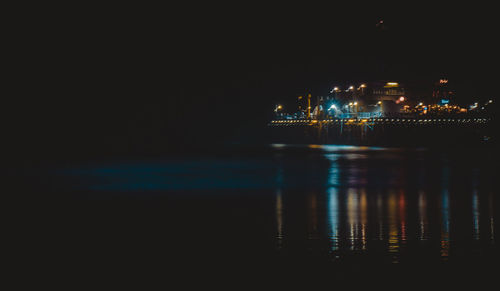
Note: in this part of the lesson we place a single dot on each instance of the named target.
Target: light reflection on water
(333, 218)
(363, 218)
(335, 200)
(360, 211)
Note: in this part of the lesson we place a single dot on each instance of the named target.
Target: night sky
(130, 79)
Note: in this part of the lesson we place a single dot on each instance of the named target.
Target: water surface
(284, 212)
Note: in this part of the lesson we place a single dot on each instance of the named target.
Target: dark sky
(144, 78)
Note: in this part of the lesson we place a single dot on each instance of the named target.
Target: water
(282, 214)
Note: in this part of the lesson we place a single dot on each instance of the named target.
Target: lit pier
(381, 121)
(382, 130)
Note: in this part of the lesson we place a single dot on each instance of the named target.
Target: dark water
(279, 216)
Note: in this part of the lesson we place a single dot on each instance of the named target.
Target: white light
(351, 87)
(355, 103)
(333, 106)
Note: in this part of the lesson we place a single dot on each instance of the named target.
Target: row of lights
(386, 120)
(351, 88)
(401, 99)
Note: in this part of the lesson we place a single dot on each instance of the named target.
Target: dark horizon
(136, 78)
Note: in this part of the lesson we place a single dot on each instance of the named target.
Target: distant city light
(347, 110)
(445, 101)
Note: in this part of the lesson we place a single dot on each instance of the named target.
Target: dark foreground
(283, 216)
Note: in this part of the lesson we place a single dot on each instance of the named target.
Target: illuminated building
(441, 92)
(386, 91)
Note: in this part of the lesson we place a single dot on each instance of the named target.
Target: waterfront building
(442, 93)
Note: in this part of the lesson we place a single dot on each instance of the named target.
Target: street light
(335, 89)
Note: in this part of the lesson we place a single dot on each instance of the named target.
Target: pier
(384, 130)
(380, 121)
